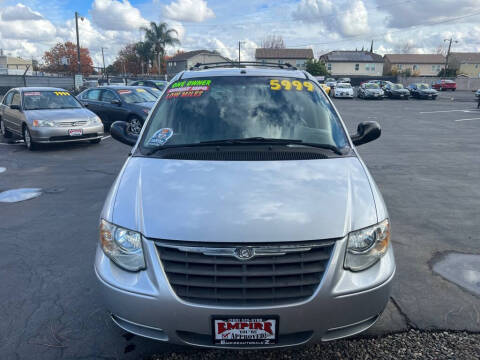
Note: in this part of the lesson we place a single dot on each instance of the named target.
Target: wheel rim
(134, 126)
(28, 140)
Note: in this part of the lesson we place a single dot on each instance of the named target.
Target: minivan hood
(240, 201)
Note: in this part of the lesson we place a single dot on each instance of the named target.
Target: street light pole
(78, 44)
(103, 58)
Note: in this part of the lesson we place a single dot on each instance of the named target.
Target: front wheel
(29, 143)
(3, 129)
(454, 89)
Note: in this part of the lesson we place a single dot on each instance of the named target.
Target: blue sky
(29, 27)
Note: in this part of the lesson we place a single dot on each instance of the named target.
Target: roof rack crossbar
(241, 64)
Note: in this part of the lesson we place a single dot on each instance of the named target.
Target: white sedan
(343, 90)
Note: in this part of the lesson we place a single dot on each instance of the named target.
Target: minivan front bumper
(344, 304)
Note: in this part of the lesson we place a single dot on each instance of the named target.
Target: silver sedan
(47, 115)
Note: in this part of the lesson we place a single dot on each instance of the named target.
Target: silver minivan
(244, 216)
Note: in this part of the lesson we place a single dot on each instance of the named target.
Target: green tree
(144, 50)
(316, 67)
(159, 35)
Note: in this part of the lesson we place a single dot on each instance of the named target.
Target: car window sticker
(124, 91)
(188, 89)
(141, 90)
(276, 84)
(61, 93)
(32, 93)
(160, 137)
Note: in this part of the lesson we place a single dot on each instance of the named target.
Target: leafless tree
(273, 42)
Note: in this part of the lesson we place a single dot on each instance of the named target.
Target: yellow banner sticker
(141, 90)
(61, 93)
(289, 85)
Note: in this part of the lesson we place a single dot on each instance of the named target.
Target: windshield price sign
(289, 85)
(191, 88)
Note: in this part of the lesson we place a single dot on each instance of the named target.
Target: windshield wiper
(253, 140)
(262, 140)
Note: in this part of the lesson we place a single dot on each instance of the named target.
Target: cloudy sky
(30, 27)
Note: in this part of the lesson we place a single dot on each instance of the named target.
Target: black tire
(4, 131)
(27, 138)
(454, 89)
(95, 141)
(134, 121)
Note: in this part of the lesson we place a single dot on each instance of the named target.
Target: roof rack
(241, 64)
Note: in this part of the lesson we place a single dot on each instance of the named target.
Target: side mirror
(15, 107)
(119, 132)
(116, 102)
(366, 131)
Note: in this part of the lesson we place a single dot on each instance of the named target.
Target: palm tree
(160, 36)
(144, 50)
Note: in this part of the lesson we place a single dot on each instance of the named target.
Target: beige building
(294, 57)
(351, 63)
(417, 64)
(465, 63)
(14, 65)
(186, 60)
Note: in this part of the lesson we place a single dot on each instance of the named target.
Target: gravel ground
(412, 344)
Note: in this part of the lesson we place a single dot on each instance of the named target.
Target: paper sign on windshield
(187, 89)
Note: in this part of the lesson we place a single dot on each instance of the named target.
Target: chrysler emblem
(244, 253)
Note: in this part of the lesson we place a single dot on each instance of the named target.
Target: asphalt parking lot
(426, 164)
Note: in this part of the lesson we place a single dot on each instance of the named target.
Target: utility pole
(239, 52)
(103, 58)
(78, 44)
(448, 54)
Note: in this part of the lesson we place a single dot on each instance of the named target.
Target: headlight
(366, 246)
(95, 121)
(39, 123)
(122, 246)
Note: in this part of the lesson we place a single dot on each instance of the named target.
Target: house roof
(352, 56)
(189, 54)
(263, 53)
(466, 58)
(415, 58)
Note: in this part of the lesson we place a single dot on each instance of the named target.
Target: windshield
(219, 108)
(154, 91)
(134, 96)
(397, 86)
(423, 86)
(341, 86)
(43, 100)
(330, 80)
(371, 86)
(161, 85)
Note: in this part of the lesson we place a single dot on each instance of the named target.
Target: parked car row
(380, 89)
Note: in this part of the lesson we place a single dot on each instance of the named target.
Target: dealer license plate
(245, 331)
(75, 132)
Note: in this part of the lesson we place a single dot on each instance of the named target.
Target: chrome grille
(72, 123)
(215, 276)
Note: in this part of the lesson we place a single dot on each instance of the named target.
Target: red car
(444, 85)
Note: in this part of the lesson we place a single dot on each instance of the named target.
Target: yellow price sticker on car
(141, 90)
(61, 93)
(289, 85)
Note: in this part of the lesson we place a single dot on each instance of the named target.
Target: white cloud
(20, 12)
(22, 23)
(116, 15)
(345, 18)
(313, 10)
(189, 10)
(354, 21)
